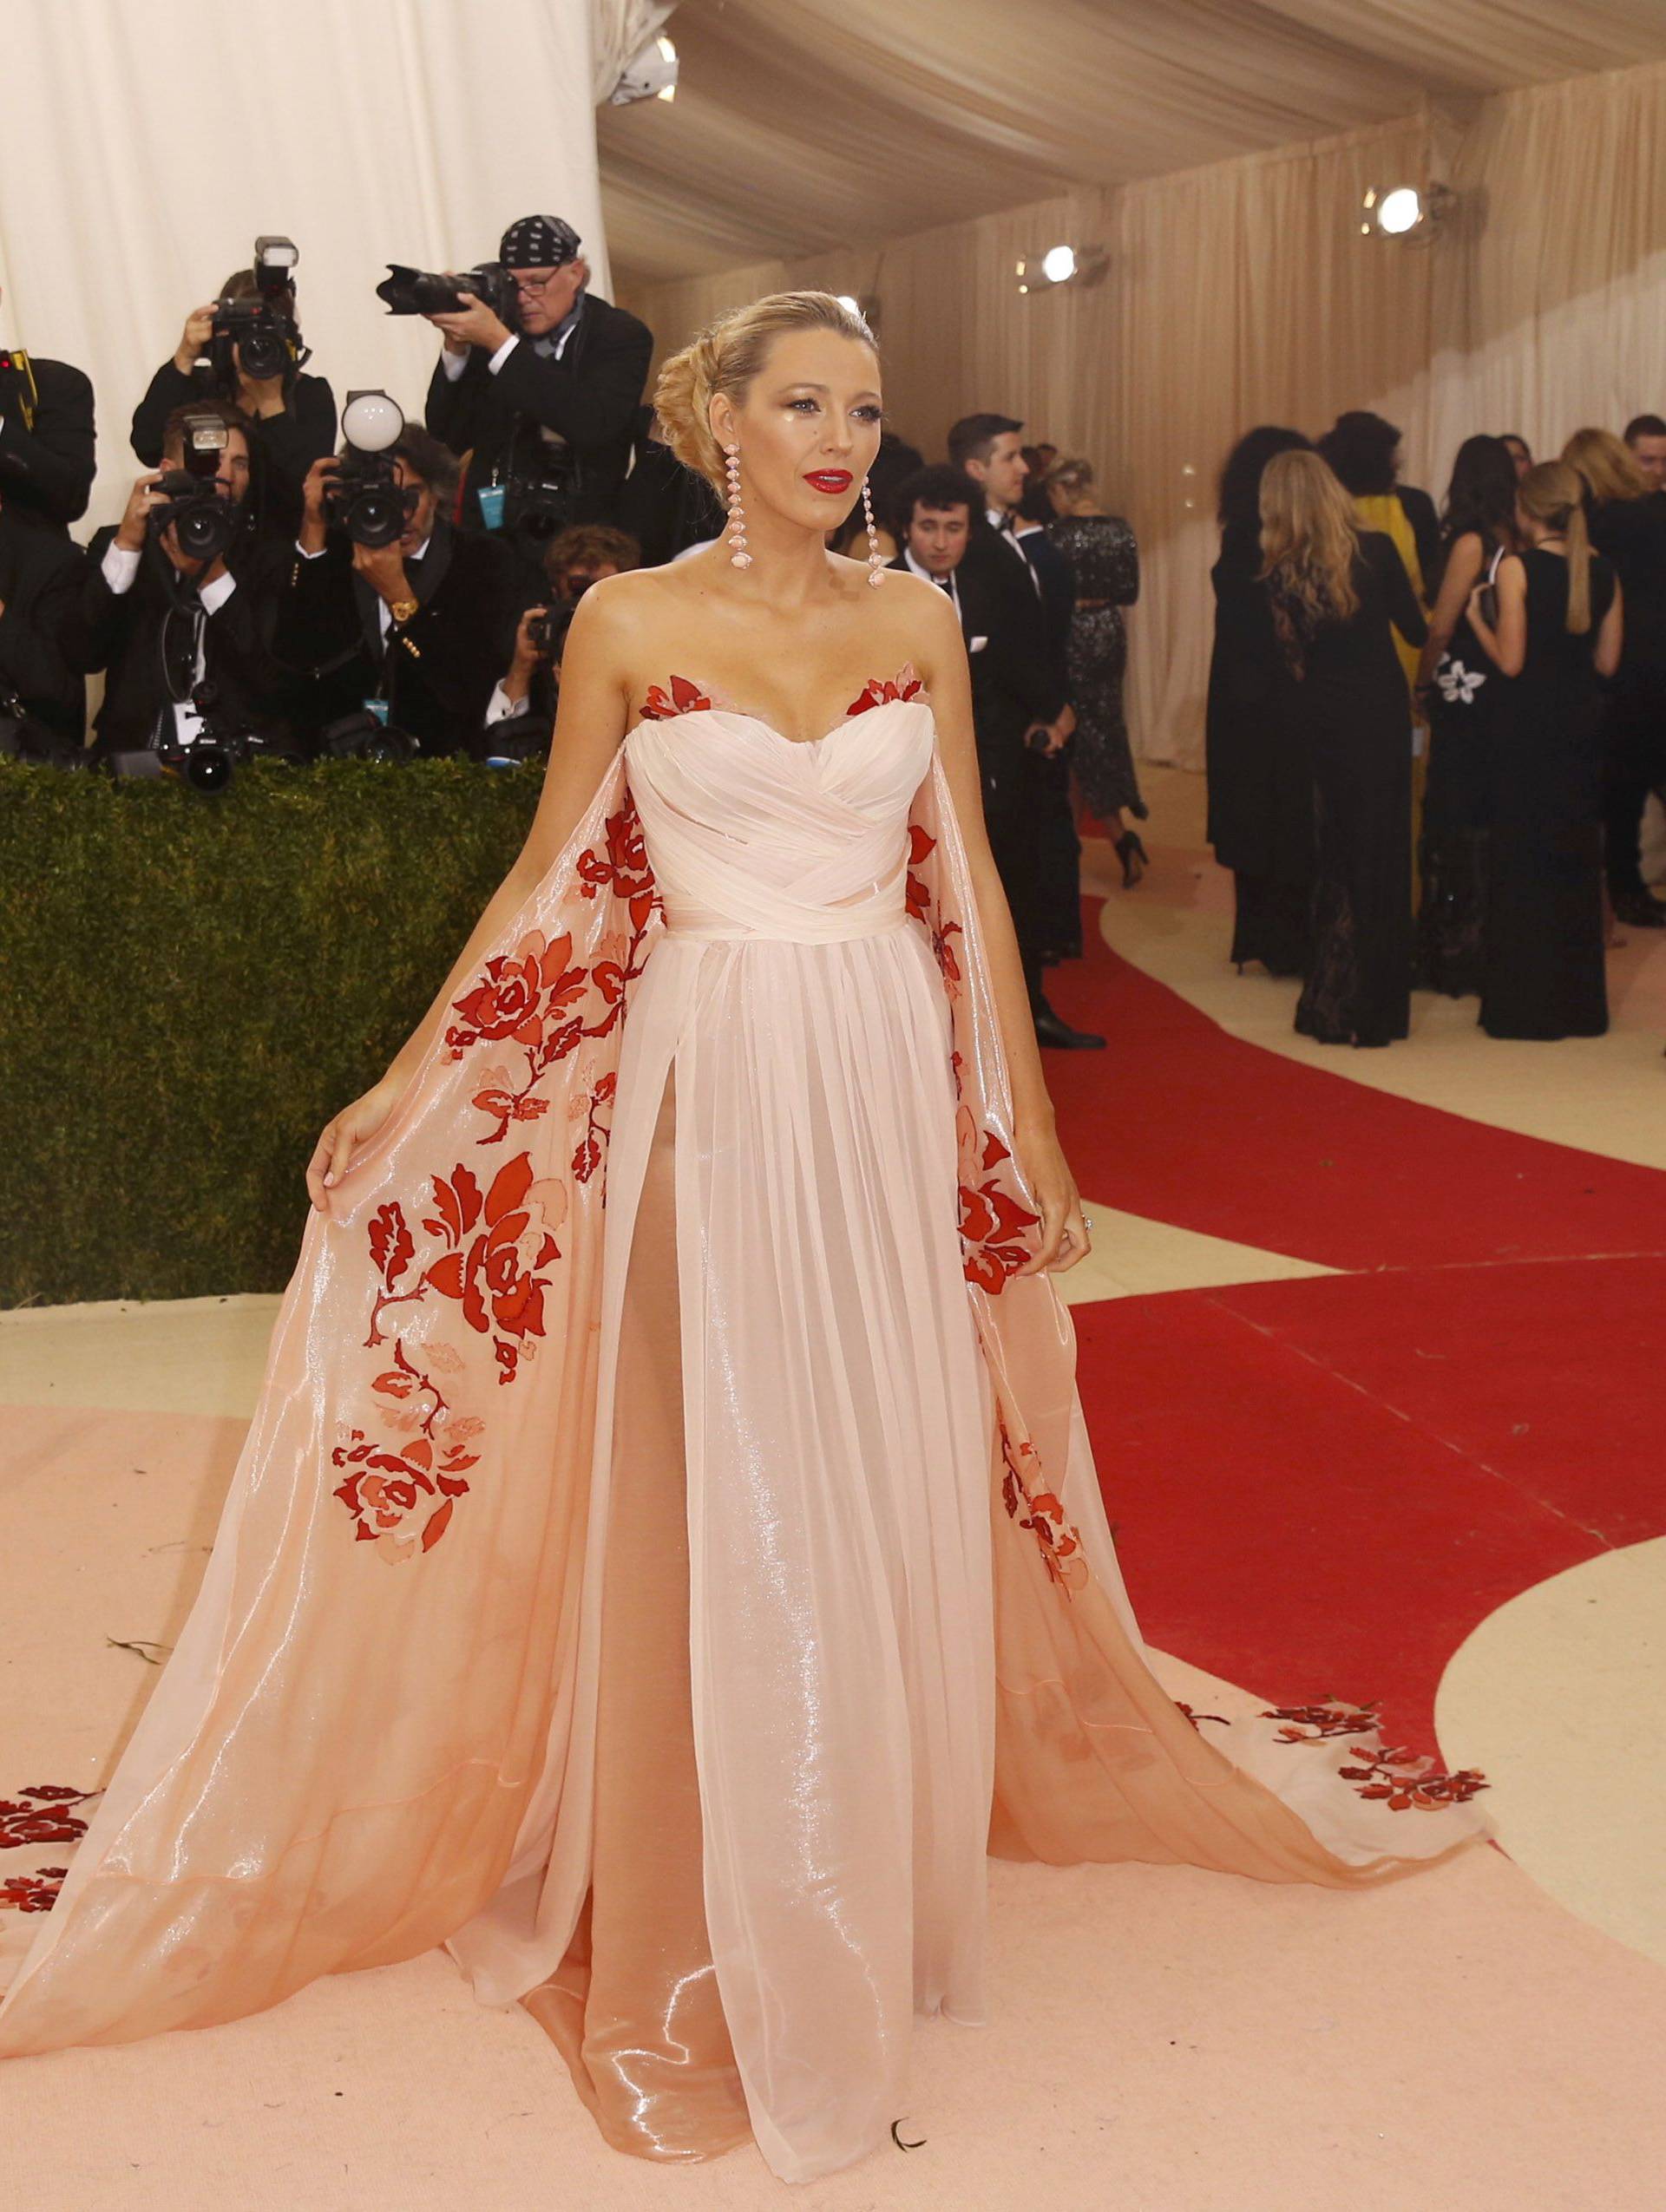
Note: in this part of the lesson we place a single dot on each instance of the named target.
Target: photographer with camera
(523, 704)
(176, 604)
(245, 350)
(390, 604)
(46, 461)
(539, 385)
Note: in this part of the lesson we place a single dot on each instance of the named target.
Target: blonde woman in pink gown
(666, 1607)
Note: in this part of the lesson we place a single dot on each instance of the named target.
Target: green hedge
(191, 985)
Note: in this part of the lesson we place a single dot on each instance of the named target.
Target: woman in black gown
(1459, 686)
(1105, 560)
(1259, 789)
(1558, 633)
(1338, 594)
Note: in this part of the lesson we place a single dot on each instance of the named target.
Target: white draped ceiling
(804, 125)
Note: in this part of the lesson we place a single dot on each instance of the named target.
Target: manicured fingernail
(330, 1177)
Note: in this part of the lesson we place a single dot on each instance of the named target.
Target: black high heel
(1129, 850)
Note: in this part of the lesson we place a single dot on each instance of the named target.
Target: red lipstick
(829, 480)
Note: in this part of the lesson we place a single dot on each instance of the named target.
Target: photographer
(547, 408)
(418, 628)
(293, 415)
(578, 558)
(46, 442)
(182, 639)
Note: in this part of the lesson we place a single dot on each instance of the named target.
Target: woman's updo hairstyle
(726, 356)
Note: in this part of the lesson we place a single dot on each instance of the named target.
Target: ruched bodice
(752, 833)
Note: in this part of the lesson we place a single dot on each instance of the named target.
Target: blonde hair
(1553, 494)
(1071, 474)
(726, 355)
(1309, 540)
(1606, 465)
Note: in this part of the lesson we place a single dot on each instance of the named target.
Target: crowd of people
(421, 610)
(1521, 631)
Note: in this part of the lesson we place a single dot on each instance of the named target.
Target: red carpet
(1179, 1120)
(1377, 1461)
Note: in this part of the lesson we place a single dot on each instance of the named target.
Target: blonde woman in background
(1338, 595)
(1104, 559)
(1559, 630)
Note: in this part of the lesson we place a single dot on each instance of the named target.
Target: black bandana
(538, 242)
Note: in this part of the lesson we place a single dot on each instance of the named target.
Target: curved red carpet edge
(1372, 1463)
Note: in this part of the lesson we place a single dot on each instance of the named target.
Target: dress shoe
(1050, 1029)
(1640, 910)
(1132, 855)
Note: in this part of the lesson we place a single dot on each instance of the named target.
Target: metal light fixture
(1410, 213)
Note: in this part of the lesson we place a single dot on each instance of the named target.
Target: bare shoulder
(924, 623)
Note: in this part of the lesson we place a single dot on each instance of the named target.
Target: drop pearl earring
(876, 559)
(739, 558)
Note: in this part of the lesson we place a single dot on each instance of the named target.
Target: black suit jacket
(127, 636)
(437, 671)
(590, 397)
(46, 473)
(40, 573)
(1010, 687)
(1039, 620)
(285, 446)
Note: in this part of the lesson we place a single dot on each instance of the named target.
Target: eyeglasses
(536, 287)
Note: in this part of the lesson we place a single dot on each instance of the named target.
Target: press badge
(491, 505)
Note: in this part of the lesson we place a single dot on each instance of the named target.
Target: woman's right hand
(341, 1139)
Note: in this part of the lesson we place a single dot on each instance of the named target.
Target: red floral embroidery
(1194, 1717)
(1408, 1782)
(1039, 1510)
(995, 1222)
(905, 684)
(32, 1893)
(48, 1820)
(684, 698)
(1405, 1780)
(491, 1249)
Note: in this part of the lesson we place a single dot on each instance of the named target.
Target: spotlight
(1404, 212)
(651, 74)
(1062, 264)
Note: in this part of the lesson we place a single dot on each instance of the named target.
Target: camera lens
(204, 528)
(264, 355)
(377, 516)
(208, 767)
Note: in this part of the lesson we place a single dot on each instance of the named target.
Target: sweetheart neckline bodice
(686, 698)
(739, 714)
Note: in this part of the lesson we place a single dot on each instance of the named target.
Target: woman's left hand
(1052, 1190)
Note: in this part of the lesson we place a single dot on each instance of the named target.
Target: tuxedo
(1009, 693)
(46, 473)
(283, 447)
(588, 395)
(145, 639)
(40, 573)
(437, 671)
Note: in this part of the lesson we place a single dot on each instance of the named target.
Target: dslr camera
(364, 497)
(263, 329)
(189, 499)
(422, 291)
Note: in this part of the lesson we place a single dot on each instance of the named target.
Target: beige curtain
(1243, 293)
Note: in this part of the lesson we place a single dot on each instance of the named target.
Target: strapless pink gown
(665, 1603)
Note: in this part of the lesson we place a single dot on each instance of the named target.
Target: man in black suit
(988, 447)
(177, 637)
(46, 443)
(553, 400)
(39, 573)
(420, 630)
(935, 518)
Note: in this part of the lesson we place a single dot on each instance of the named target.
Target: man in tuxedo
(553, 400)
(418, 631)
(988, 447)
(176, 636)
(935, 518)
(46, 443)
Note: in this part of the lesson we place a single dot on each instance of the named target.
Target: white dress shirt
(119, 567)
(1004, 524)
(953, 587)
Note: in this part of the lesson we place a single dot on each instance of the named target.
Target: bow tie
(947, 582)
